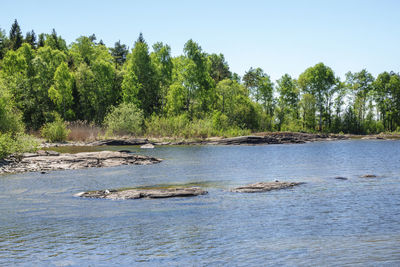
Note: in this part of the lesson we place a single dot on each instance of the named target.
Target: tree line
(42, 78)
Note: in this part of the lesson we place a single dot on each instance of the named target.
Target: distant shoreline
(254, 139)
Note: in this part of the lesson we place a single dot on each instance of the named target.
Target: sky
(285, 36)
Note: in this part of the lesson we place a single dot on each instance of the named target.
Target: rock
(368, 176)
(44, 162)
(264, 186)
(120, 142)
(147, 146)
(275, 138)
(124, 151)
(144, 193)
(340, 178)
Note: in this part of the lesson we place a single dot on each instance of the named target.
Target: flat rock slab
(144, 193)
(45, 161)
(264, 187)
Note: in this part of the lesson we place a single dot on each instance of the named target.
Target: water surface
(324, 222)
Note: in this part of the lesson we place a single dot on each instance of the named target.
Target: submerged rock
(144, 193)
(368, 176)
(44, 161)
(264, 186)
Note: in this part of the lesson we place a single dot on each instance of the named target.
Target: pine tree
(93, 37)
(30, 38)
(15, 36)
(141, 39)
(41, 40)
(119, 53)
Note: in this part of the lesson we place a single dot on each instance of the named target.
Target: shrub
(55, 131)
(126, 118)
(10, 117)
(220, 121)
(181, 126)
(16, 144)
(167, 126)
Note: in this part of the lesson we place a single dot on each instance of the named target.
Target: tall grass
(82, 131)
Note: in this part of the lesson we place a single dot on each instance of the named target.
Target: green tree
(16, 38)
(4, 43)
(41, 40)
(119, 53)
(162, 61)
(308, 108)
(30, 38)
(97, 81)
(139, 83)
(197, 79)
(387, 98)
(339, 102)
(55, 41)
(219, 67)
(318, 81)
(61, 92)
(252, 80)
(288, 101)
(360, 84)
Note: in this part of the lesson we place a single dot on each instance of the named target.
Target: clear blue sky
(278, 36)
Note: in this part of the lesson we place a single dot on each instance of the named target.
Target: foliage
(55, 131)
(182, 127)
(16, 144)
(61, 92)
(126, 118)
(140, 85)
(10, 117)
(194, 94)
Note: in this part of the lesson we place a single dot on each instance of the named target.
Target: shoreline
(254, 139)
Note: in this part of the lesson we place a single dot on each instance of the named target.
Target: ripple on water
(323, 222)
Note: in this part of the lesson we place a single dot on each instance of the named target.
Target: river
(324, 222)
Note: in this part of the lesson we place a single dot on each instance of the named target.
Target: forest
(145, 91)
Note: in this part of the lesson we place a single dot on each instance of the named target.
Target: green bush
(180, 126)
(162, 126)
(126, 118)
(55, 131)
(16, 144)
(10, 117)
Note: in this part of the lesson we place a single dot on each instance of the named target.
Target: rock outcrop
(262, 138)
(144, 193)
(44, 161)
(257, 139)
(264, 187)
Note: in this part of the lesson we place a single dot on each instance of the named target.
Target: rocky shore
(44, 161)
(264, 187)
(257, 139)
(144, 193)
